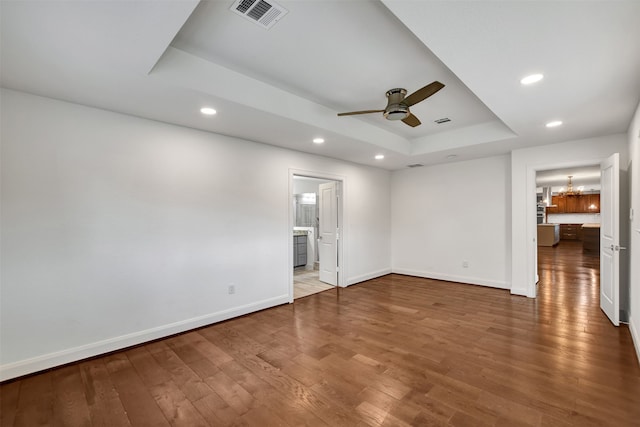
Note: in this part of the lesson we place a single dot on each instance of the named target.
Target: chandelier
(570, 191)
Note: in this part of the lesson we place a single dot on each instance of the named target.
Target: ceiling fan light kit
(398, 104)
(397, 114)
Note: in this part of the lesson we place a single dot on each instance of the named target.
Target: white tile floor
(306, 282)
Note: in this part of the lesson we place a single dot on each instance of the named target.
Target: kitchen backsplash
(573, 218)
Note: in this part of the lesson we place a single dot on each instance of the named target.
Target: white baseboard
(451, 278)
(368, 276)
(635, 336)
(519, 291)
(51, 360)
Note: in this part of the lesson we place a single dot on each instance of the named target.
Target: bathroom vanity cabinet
(299, 250)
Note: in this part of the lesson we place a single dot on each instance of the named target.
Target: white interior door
(327, 234)
(610, 238)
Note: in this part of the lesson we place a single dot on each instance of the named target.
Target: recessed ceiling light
(379, 156)
(533, 78)
(318, 140)
(553, 124)
(208, 111)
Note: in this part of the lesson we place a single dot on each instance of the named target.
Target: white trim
(522, 291)
(368, 276)
(452, 278)
(51, 360)
(634, 336)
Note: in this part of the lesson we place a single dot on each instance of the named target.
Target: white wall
(524, 163)
(634, 240)
(445, 214)
(306, 185)
(117, 230)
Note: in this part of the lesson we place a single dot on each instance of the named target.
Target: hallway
(569, 282)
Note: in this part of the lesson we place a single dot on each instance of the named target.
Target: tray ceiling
(284, 86)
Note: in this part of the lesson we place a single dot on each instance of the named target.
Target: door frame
(342, 224)
(531, 220)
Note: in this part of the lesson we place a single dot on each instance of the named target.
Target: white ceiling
(284, 86)
(584, 176)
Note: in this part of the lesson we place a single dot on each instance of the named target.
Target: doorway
(568, 252)
(568, 236)
(613, 267)
(316, 226)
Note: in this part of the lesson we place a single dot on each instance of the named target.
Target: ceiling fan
(398, 106)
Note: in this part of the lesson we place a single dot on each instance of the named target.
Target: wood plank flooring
(394, 351)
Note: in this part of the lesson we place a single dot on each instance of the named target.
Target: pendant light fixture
(570, 191)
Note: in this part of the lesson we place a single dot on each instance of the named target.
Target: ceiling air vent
(260, 12)
(444, 120)
(415, 165)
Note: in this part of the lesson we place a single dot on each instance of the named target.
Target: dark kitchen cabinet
(585, 203)
(593, 203)
(570, 231)
(572, 203)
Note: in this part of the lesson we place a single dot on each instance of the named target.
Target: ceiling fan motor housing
(396, 110)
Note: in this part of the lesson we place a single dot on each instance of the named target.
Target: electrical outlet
(465, 264)
(232, 289)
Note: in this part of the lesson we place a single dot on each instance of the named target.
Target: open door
(327, 233)
(610, 238)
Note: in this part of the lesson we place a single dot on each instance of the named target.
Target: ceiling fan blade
(422, 94)
(360, 112)
(411, 120)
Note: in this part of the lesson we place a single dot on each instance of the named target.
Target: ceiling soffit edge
(479, 134)
(183, 69)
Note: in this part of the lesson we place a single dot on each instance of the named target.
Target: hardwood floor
(306, 282)
(393, 351)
